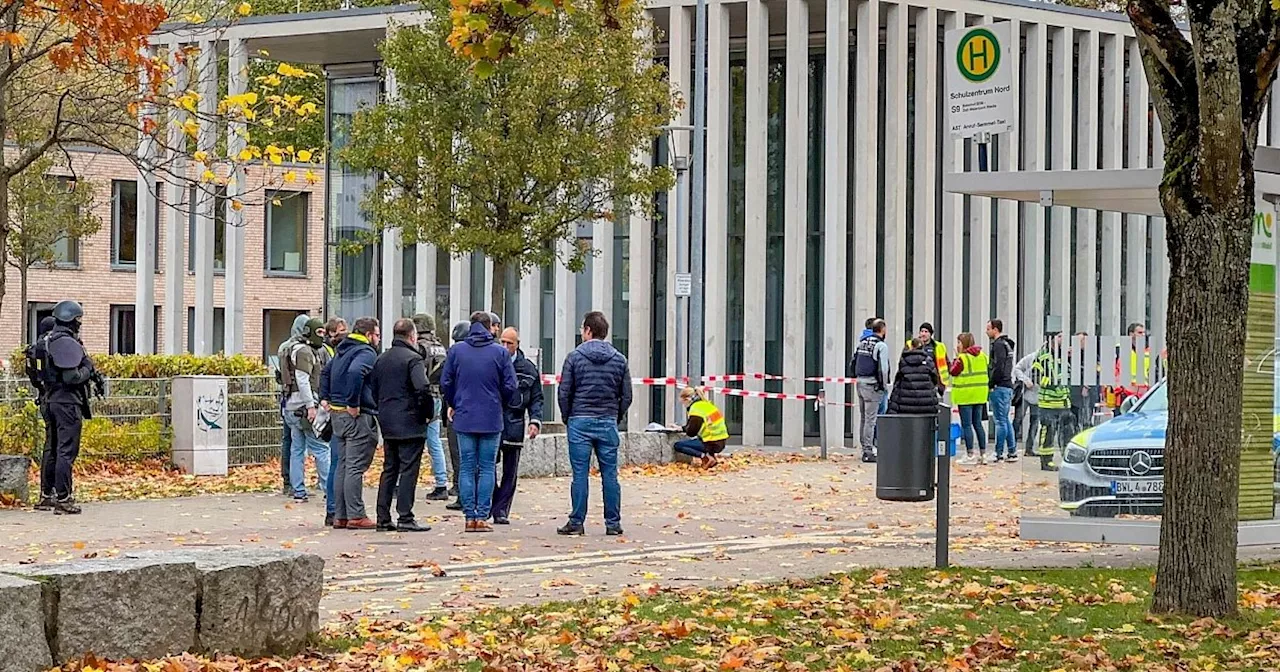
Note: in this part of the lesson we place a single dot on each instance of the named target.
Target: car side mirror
(1128, 404)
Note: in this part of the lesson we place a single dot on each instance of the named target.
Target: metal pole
(942, 546)
(697, 244)
(822, 420)
(681, 164)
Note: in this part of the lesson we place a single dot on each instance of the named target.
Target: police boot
(66, 506)
(46, 503)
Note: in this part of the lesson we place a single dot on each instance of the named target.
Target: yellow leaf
(245, 155)
(244, 9)
(290, 176)
(207, 176)
(201, 156)
(276, 159)
(304, 155)
(237, 206)
(864, 656)
(311, 177)
(1127, 627)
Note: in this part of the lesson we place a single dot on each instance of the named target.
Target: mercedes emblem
(1140, 463)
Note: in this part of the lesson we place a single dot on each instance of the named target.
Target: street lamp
(682, 279)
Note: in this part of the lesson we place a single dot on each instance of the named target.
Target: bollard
(822, 419)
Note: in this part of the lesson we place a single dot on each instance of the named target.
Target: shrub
(161, 366)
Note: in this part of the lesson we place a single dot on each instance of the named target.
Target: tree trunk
(1209, 294)
(23, 272)
(4, 241)
(498, 295)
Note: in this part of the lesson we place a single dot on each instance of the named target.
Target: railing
(134, 422)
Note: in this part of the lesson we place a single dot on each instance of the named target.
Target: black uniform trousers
(63, 424)
(503, 495)
(401, 463)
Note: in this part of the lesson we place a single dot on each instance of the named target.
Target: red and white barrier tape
(552, 379)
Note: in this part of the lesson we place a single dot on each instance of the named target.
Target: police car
(1117, 467)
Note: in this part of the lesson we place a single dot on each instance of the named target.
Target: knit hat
(424, 323)
(925, 326)
(460, 331)
(495, 319)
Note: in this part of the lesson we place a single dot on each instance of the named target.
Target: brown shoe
(482, 526)
(340, 524)
(471, 526)
(361, 524)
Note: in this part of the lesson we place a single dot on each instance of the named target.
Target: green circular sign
(978, 55)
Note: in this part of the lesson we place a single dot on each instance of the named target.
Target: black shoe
(501, 520)
(412, 526)
(287, 491)
(46, 503)
(328, 520)
(868, 457)
(301, 499)
(438, 495)
(613, 530)
(386, 527)
(66, 507)
(571, 530)
(455, 505)
(453, 492)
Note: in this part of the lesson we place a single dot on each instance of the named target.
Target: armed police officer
(68, 374)
(35, 355)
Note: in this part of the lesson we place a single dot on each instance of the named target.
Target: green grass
(912, 620)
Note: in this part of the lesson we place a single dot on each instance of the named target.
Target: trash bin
(905, 462)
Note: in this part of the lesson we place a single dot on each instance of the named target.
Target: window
(219, 329)
(276, 325)
(36, 311)
(219, 229)
(123, 323)
(287, 232)
(124, 224)
(66, 251)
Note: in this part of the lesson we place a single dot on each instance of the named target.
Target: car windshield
(1156, 401)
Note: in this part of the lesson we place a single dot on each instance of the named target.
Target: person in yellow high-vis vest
(706, 426)
(970, 387)
(936, 350)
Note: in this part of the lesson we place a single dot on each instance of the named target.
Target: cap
(460, 331)
(925, 326)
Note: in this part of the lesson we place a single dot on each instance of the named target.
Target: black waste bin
(905, 460)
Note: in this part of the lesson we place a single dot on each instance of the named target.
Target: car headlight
(1075, 453)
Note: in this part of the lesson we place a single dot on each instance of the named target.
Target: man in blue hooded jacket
(594, 395)
(478, 381)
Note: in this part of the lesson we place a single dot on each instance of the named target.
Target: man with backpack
(302, 358)
(433, 353)
(870, 366)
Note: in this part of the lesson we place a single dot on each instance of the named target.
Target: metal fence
(134, 421)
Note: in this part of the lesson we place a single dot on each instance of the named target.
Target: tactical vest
(864, 358)
(713, 425)
(972, 386)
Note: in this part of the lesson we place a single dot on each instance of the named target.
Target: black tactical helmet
(67, 312)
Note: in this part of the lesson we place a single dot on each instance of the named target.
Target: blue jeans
(1001, 398)
(479, 456)
(691, 447)
(971, 422)
(599, 436)
(436, 450)
(286, 450)
(302, 442)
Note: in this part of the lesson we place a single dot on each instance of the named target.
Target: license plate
(1137, 487)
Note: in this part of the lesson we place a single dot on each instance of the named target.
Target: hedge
(160, 366)
(22, 433)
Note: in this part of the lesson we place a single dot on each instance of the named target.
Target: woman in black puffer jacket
(917, 385)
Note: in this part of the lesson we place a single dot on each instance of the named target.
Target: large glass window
(124, 224)
(287, 232)
(276, 326)
(219, 329)
(123, 322)
(66, 251)
(352, 279)
(36, 311)
(219, 229)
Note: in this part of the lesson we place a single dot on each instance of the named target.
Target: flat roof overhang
(1127, 190)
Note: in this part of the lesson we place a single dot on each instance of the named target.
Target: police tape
(552, 379)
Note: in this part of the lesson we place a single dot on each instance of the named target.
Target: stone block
(649, 448)
(538, 457)
(13, 477)
(624, 450)
(253, 602)
(550, 427)
(563, 467)
(23, 646)
(117, 608)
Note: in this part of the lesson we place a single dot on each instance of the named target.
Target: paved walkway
(771, 520)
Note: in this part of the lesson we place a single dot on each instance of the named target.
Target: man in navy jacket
(345, 384)
(594, 395)
(478, 381)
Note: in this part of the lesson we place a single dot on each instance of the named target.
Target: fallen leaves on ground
(885, 621)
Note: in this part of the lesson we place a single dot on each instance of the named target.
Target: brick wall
(99, 286)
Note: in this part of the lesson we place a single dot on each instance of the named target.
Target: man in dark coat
(346, 386)
(405, 407)
(527, 402)
(917, 385)
(458, 334)
(68, 374)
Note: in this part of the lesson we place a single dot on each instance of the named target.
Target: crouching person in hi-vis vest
(706, 425)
